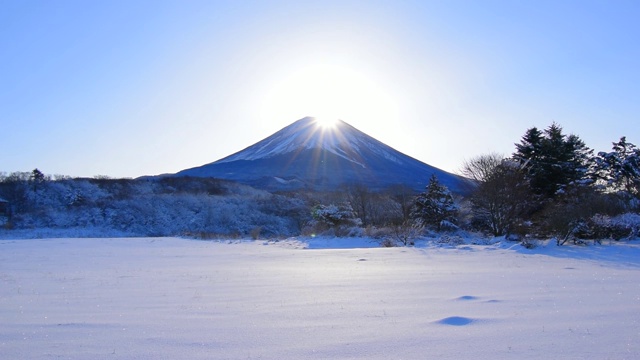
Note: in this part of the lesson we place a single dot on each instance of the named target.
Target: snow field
(150, 298)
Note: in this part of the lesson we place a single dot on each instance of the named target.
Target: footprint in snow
(455, 321)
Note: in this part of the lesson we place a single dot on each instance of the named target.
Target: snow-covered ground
(171, 298)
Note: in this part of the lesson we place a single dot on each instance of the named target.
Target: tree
(334, 215)
(403, 196)
(553, 160)
(14, 188)
(435, 206)
(530, 147)
(570, 213)
(481, 168)
(36, 178)
(502, 196)
(360, 199)
(620, 168)
(405, 233)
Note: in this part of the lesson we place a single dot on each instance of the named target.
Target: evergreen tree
(579, 163)
(334, 215)
(553, 161)
(36, 178)
(435, 206)
(530, 147)
(620, 168)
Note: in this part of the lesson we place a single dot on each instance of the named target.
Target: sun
(326, 122)
(329, 92)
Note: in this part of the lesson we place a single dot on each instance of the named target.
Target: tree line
(552, 186)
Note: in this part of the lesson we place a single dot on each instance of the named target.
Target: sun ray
(330, 91)
(326, 122)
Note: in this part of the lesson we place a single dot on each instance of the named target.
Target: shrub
(387, 242)
(255, 232)
(452, 240)
(605, 227)
(529, 242)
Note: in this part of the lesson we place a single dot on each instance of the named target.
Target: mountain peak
(308, 133)
(310, 154)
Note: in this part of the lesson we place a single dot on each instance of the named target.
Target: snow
(150, 298)
(342, 140)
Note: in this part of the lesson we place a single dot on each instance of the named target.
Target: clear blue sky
(130, 88)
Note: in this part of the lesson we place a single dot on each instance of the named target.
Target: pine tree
(36, 178)
(579, 163)
(435, 206)
(530, 147)
(334, 215)
(553, 161)
(620, 168)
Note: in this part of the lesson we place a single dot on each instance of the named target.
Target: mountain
(306, 154)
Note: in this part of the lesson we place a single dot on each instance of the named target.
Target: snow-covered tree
(435, 207)
(151, 208)
(620, 168)
(334, 215)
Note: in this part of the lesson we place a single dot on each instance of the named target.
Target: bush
(529, 243)
(377, 232)
(604, 227)
(452, 240)
(255, 232)
(158, 208)
(334, 215)
(387, 243)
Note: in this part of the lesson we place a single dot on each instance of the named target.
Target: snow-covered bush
(334, 215)
(630, 221)
(625, 226)
(159, 208)
(452, 240)
(530, 243)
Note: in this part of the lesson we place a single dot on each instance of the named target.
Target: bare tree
(406, 232)
(482, 167)
(360, 198)
(404, 197)
(502, 195)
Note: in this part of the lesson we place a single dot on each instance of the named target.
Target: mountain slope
(306, 154)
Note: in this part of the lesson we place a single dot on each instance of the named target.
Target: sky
(131, 88)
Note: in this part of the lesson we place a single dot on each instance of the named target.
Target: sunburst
(326, 122)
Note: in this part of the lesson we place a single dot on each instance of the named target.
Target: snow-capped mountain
(307, 154)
